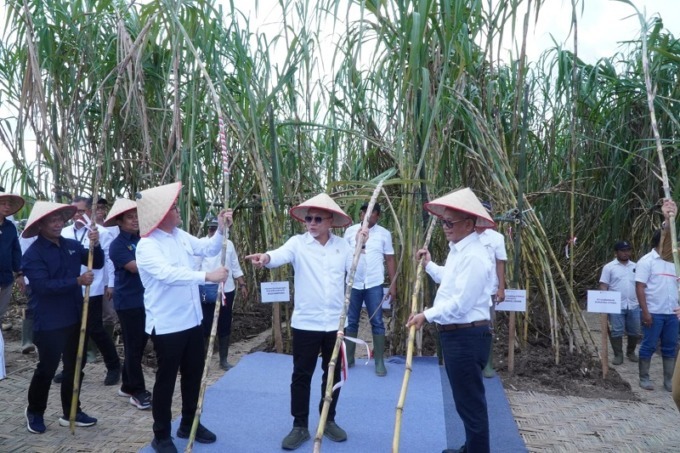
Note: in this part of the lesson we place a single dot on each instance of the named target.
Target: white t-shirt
(495, 247)
(371, 268)
(620, 277)
(659, 276)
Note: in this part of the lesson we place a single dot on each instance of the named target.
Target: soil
(577, 374)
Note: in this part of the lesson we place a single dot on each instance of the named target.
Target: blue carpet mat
(249, 409)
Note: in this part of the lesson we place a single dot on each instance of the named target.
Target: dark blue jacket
(56, 296)
(10, 252)
(128, 291)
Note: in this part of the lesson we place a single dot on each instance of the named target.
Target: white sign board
(604, 301)
(275, 292)
(515, 300)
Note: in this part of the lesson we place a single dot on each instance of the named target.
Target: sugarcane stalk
(411, 341)
(95, 189)
(328, 397)
(220, 300)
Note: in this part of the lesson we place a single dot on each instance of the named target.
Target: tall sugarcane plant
(421, 86)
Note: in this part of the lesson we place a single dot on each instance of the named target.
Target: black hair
(656, 238)
(87, 200)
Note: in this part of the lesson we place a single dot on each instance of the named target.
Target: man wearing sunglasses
(320, 260)
(461, 310)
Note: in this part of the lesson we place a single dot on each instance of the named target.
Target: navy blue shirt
(10, 252)
(56, 296)
(128, 291)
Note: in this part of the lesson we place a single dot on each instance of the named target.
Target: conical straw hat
(154, 204)
(463, 200)
(42, 209)
(121, 206)
(325, 202)
(15, 201)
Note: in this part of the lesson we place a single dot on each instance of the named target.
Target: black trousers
(306, 347)
(179, 351)
(95, 330)
(223, 320)
(52, 346)
(132, 324)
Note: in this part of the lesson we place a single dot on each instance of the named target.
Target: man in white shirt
(165, 260)
(461, 310)
(368, 285)
(657, 294)
(320, 260)
(619, 275)
(209, 297)
(494, 242)
(95, 328)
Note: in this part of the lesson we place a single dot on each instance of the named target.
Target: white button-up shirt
(102, 276)
(371, 268)
(464, 290)
(620, 277)
(495, 247)
(166, 262)
(319, 279)
(210, 263)
(661, 292)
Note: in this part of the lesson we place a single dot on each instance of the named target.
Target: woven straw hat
(15, 201)
(42, 209)
(325, 202)
(154, 204)
(463, 200)
(120, 206)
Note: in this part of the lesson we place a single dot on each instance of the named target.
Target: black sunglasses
(316, 219)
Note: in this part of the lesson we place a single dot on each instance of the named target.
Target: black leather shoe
(163, 446)
(203, 434)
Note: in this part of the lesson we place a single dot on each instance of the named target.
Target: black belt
(445, 327)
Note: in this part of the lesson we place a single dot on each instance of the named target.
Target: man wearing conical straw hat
(129, 300)
(53, 266)
(320, 260)
(461, 309)
(165, 260)
(10, 253)
(10, 262)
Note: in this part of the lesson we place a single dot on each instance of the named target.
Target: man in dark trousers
(53, 266)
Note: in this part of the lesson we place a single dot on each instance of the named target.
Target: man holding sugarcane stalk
(165, 260)
(320, 260)
(53, 266)
(461, 310)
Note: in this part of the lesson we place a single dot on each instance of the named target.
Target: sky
(602, 26)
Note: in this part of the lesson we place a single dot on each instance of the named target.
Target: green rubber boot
(27, 345)
(617, 346)
(668, 368)
(379, 354)
(488, 370)
(643, 366)
(350, 347)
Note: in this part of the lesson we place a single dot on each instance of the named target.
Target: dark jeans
(665, 328)
(372, 297)
(132, 323)
(466, 352)
(306, 347)
(95, 330)
(208, 300)
(52, 346)
(179, 351)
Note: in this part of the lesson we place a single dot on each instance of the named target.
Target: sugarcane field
(342, 226)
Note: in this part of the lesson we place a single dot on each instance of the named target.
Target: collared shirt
(371, 268)
(56, 297)
(494, 242)
(165, 262)
(464, 290)
(319, 279)
(102, 277)
(128, 290)
(620, 277)
(661, 292)
(210, 263)
(10, 252)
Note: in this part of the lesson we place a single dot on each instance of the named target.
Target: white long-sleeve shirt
(166, 268)
(464, 290)
(209, 263)
(102, 276)
(319, 279)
